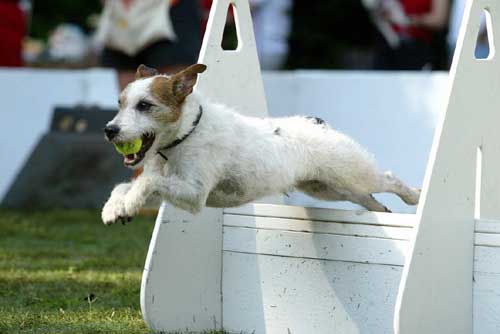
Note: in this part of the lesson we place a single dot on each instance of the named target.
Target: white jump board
(296, 270)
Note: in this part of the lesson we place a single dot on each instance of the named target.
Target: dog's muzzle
(111, 131)
(131, 160)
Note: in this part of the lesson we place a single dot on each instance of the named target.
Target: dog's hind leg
(390, 183)
(370, 203)
(322, 190)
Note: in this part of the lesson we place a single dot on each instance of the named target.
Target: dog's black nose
(111, 131)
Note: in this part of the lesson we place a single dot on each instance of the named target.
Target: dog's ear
(145, 72)
(184, 81)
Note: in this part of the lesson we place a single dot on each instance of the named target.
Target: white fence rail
(288, 269)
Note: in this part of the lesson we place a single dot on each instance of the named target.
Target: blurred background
(376, 70)
(334, 34)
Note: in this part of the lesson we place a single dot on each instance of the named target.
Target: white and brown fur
(231, 159)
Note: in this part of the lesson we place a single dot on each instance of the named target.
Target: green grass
(51, 262)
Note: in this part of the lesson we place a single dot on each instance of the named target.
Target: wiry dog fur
(230, 159)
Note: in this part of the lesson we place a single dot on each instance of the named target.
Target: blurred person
(205, 7)
(12, 32)
(272, 25)
(67, 44)
(165, 34)
(413, 33)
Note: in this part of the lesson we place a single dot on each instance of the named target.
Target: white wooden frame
(265, 268)
(462, 183)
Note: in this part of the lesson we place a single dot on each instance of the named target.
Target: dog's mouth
(130, 160)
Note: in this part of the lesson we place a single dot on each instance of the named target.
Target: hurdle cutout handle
(232, 77)
(471, 28)
(217, 23)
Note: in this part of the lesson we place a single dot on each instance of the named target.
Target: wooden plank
(487, 226)
(351, 229)
(269, 294)
(487, 239)
(487, 259)
(487, 232)
(327, 215)
(181, 282)
(273, 294)
(486, 303)
(343, 216)
(314, 246)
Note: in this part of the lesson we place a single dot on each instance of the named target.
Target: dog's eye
(143, 106)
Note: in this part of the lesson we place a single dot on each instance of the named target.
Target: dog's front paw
(114, 211)
(138, 194)
(133, 202)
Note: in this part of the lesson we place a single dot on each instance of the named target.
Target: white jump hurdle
(462, 184)
(275, 269)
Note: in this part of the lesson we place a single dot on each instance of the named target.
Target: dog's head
(151, 110)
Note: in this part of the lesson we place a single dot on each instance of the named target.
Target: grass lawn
(65, 272)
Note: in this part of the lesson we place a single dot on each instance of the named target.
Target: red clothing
(205, 8)
(411, 8)
(12, 31)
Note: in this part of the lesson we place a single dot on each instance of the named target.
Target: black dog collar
(180, 140)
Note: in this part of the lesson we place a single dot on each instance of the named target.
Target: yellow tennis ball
(130, 147)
